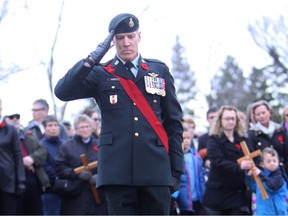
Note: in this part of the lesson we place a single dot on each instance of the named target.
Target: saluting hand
(101, 50)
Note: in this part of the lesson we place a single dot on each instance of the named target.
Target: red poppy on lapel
(280, 138)
(2, 124)
(95, 148)
(238, 146)
(144, 66)
(28, 132)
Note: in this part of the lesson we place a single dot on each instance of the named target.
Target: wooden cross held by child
(88, 166)
(250, 156)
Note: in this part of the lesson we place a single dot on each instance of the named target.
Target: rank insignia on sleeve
(155, 85)
(113, 99)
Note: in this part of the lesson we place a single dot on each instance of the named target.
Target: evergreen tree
(229, 87)
(184, 77)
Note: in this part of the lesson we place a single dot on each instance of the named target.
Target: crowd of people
(141, 155)
(212, 182)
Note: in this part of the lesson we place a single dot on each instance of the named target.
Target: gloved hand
(93, 179)
(102, 48)
(85, 175)
(176, 185)
(21, 188)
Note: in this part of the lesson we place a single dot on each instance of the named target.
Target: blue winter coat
(198, 173)
(276, 189)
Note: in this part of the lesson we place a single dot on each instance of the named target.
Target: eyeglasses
(229, 118)
(83, 128)
(97, 119)
(36, 110)
(17, 116)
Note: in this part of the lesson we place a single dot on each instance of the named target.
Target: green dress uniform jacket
(130, 152)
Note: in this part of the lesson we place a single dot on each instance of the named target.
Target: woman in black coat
(12, 174)
(226, 192)
(82, 202)
(267, 133)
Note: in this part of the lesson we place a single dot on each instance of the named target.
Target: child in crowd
(192, 185)
(274, 183)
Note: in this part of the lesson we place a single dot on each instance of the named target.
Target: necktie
(131, 68)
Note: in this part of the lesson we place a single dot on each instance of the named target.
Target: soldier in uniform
(140, 156)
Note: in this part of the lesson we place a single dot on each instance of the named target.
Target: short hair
(269, 150)
(185, 128)
(211, 110)
(49, 118)
(82, 118)
(89, 112)
(189, 120)
(43, 103)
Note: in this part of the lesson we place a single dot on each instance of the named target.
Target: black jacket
(225, 188)
(67, 160)
(11, 163)
(278, 141)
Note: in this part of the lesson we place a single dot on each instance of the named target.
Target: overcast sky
(208, 29)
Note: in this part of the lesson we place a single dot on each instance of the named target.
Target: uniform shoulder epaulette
(106, 63)
(154, 60)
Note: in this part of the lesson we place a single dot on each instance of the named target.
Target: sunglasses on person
(17, 116)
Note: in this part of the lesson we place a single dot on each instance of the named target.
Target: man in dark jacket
(40, 110)
(140, 154)
(34, 155)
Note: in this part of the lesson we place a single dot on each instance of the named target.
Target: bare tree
(50, 65)
(6, 71)
(3, 10)
(272, 36)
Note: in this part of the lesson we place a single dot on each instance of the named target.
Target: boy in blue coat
(192, 185)
(274, 183)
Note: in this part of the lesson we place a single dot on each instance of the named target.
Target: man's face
(127, 45)
(14, 120)
(211, 117)
(52, 129)
(39, 112)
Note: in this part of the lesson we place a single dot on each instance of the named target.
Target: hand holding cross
(250, 156)
(88, 166)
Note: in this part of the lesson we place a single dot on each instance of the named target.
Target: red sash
(137, 97)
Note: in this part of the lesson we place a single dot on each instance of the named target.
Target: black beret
(124, 23)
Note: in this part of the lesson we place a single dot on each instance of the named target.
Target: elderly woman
(68, 159)
(226, 192)
(267, 133)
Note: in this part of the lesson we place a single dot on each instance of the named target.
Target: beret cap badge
(131, 22)
(124, 23)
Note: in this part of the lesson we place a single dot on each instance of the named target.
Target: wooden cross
(88, 166)
(250, 156)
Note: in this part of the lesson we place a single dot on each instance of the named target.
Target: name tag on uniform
(113, 79)
(155, 85)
